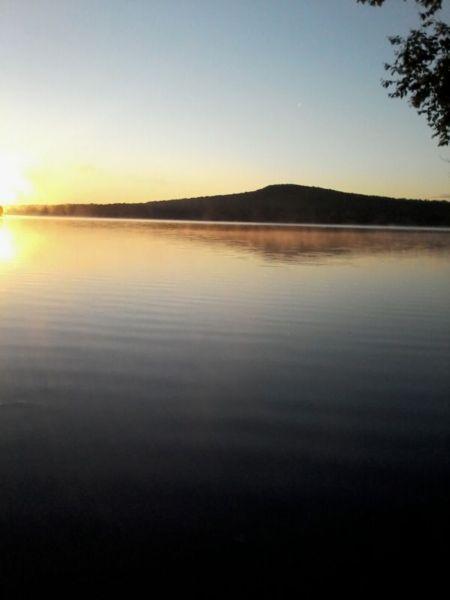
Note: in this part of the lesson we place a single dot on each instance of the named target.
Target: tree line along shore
(274, 203)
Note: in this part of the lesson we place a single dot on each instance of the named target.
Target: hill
(274, 203)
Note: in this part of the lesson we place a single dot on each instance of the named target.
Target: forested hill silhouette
(285, 203)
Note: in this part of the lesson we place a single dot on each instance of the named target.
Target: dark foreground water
(227, 408)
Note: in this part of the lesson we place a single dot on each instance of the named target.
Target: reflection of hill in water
(119, 243)
(312, 243)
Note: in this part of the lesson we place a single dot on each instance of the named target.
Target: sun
(13, 180)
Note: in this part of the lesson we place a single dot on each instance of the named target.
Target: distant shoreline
(254, 224)
(276, 204)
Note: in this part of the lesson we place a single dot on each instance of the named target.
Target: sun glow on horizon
(13, 179)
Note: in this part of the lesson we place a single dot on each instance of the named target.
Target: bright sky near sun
(135, 100)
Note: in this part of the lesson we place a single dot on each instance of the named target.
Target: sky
(138, 100)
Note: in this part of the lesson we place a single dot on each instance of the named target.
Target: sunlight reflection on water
(8, 248)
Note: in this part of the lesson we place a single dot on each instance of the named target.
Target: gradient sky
(135, 100)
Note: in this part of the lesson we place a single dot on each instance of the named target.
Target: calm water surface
(219, 397)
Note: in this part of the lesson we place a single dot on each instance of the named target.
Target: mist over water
(180, 394)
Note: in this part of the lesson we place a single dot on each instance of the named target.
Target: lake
(202, 401)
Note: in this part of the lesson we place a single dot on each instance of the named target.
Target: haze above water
(175, 392)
